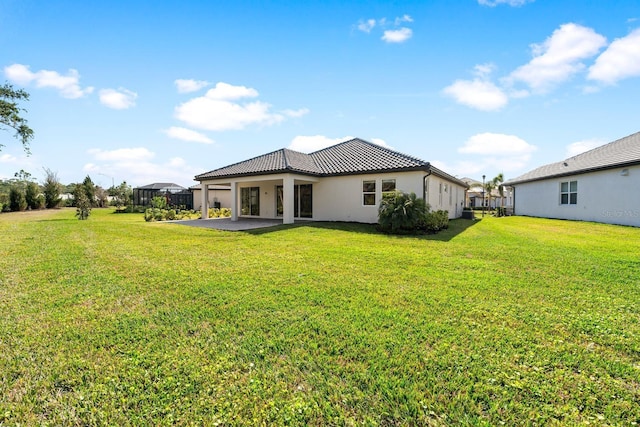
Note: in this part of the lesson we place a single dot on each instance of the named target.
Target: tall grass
(115, 321)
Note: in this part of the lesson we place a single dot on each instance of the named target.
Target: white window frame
(570, 190)
(388, 180)
(368, 193)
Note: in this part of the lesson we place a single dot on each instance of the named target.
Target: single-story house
(600, 185)
(344, 182)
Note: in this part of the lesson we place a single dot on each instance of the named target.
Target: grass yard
(515, 321)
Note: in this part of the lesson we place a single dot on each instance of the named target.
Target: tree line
(23, 192)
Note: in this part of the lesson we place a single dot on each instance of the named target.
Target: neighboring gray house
(601, 185)
(344, 182)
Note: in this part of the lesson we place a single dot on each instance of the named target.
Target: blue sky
(147, 91)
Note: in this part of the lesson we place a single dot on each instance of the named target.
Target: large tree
(89, 190)
(11, 114)
(51, 188)
(122, 194)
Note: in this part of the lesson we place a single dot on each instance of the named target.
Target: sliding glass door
(302, 201)
(250, 199)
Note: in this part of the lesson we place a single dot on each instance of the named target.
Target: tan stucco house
(600, 185)
(344, 182)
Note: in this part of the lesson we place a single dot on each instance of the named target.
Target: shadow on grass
(456, 227)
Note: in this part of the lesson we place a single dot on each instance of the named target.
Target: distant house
(497, 199)
(175, 194)
(600, 185)
(344, 182)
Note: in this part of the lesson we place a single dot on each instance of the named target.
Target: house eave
(574, 172)
(322, 175)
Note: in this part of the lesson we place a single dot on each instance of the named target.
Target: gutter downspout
(424, 186)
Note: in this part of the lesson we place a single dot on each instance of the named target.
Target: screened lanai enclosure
(176, 195)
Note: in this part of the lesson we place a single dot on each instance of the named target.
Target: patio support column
(287, 200)
(204, 189)
(234, 201)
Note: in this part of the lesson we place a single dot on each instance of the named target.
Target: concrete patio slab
(227, 225)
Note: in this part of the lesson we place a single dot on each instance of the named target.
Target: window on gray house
(569, 193)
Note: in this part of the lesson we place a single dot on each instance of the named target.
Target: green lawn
(115, 321)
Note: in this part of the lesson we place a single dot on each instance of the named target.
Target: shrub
(171, 214)
(436, 221)
(219, 212)
(51, 189)
(40, 202)
(83, 205)
(17, 201)
(31, 195)
(500, 211)
(401, 213)
(159, 202)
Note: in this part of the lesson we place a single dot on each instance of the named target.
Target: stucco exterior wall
(214, 195)
(609, 196)
(444, 195)
(340, 198)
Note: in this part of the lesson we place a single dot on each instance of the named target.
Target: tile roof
(350, 157)
(161, 186)
(624, 151)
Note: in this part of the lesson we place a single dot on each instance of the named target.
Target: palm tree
(488, 187)
(497, 183)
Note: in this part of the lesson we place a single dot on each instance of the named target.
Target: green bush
(159, 202)
(156, 214)
(219, 213)
(41, 202)
(436, 221)
(401, 213)
(500, 211)
(17, 200)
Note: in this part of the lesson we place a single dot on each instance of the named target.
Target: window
(369, 193)
(569, 193)
(388, 187)
(250, 198)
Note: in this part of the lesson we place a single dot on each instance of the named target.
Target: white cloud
(366, 26)
(308, 144)
(215, 110)
(496, 144)
(190, 85)
(397, 36)
(582, 146)
(120, 99)
(479, 94)
(403, 18)
(68, 86)
(136, 166)
(493, 151)
(296, 113)
(381, 142)
(493, 3)
(8, 158)
(122, 154)
(225, 91)
(390, 35)
(558, 58)
(621, 60)
(185, 134)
